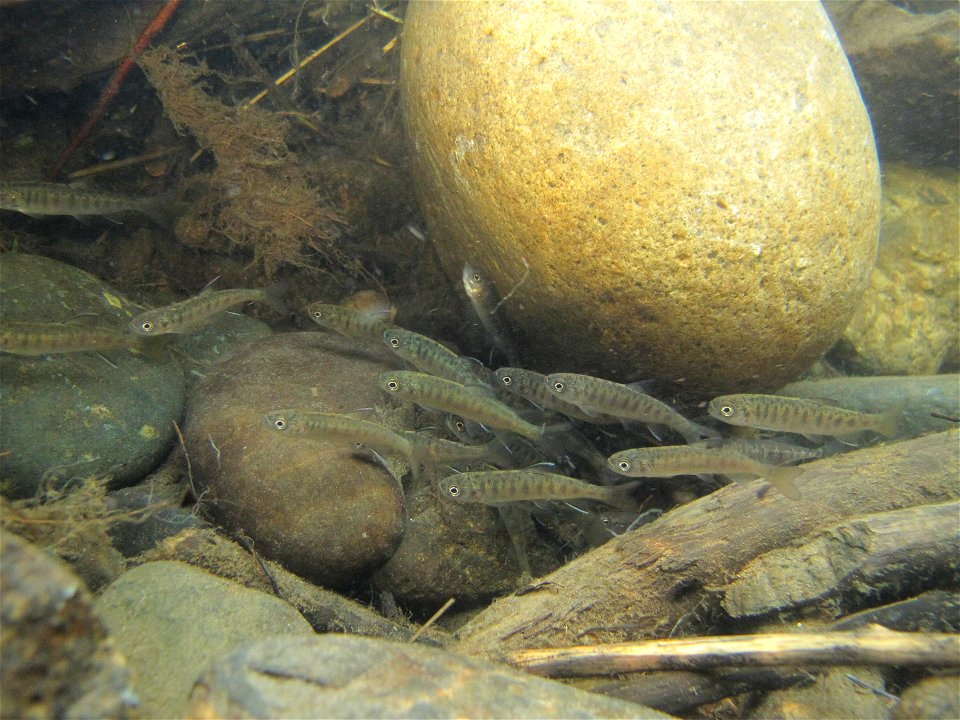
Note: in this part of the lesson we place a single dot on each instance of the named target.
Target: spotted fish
(196, 311)
(448, 396)
(690, 460)
(502, 486)
(800, 415)
(603, 397)
(350, 321)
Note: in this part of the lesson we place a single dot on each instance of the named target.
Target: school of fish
(513, 434)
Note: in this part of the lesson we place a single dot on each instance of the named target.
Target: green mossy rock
(73, 415)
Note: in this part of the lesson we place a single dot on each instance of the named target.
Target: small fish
(431, 357)
(532, 386)
(28, 338)
(349, 321)
(769, 452)
(603, 397)
(39, 199)
(799, 415)
(485, 301)
(439, 451)
(334, 427)
(464, 400)
(502, 486)
(690, 460)
(467, 431)
(186, 315)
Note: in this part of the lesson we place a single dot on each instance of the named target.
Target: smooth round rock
(345, 676)
(314, 506)
(73, 415)
(172, 620)
(670, 190)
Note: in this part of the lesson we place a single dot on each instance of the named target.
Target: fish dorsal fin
(208, 286)
(642, 386)
(826, 402)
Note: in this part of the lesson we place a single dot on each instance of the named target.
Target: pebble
(75, 415)
(343, 676)
(171, 620)
(315, 507)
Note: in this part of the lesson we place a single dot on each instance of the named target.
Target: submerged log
(653, 580)
(882, 555)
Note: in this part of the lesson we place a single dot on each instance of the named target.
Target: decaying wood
(873, 646)
(653, 581)
(933, 611)
(880, 555)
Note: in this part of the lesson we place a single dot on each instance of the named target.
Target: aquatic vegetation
(257, 196)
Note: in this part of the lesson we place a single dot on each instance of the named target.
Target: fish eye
(393, 385)
(280, 423)
(453, 490)
(461, 426)
(394, 342)
(506, 380)
(318, 314)
(477, 278)
(726, 411)
(146, 326)
(558, 386)
(623, 465)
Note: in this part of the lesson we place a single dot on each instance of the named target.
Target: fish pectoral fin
(782, 478)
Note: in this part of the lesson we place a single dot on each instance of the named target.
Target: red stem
(113, 87)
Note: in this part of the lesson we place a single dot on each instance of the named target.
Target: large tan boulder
(694, 186)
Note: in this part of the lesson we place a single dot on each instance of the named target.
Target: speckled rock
(694, 186)
(58, 661)
(171, 620)
(75, 414)
(344, 676)
(313, 506)
(905, 59)
(907, 322)
(833, 694)
(449, 550)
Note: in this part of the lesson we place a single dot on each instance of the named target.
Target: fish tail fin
(621, 496)
(163, 210)
(275, 296)
(695, 432)
(782, 478)
(887, 422)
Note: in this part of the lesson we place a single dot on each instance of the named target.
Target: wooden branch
(655, 581)
(879, 555)
(875, 646)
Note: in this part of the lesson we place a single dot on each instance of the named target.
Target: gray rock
(313, 506)
(344, 676)
(57, 659)
(75, 415)
(916, 396)
(171, 620)
(833, 695)
(198, 350)
(906, 65)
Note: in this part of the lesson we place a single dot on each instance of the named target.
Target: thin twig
(310, 58)
(113, 87)
(432, 620)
